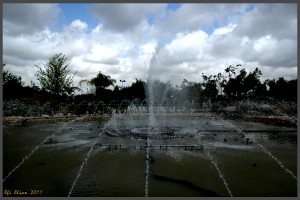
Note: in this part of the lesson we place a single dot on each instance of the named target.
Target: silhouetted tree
(282, 89)
(135, 91)
(243, 83)
(210, 86)
(252, 81)
(292, 90)
(230, 70)
(102, 81)
(138, 89)
(12, 85)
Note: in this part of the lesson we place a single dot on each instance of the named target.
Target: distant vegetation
(232, 84)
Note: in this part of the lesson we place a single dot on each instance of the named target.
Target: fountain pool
(184, 154)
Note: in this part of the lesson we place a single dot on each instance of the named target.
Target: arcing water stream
(219, 172)
(269, 153)
(38, 146)
(81, 167)
(276, 159)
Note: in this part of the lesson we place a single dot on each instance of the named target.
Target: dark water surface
(267, 167)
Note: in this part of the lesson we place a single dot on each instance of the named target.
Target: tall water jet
(152, 120)
(152, 76)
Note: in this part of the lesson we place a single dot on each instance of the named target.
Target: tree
(138, 89)
(55, 78)
(210, 84)
(282, 89)
(192, 92)
(231, 70)
(292, 89)
(102, 81)
(135, 91)
(252, 81)
(272, 87)
(9, 78)
(236, 86)
(12, 85)
(216, 84)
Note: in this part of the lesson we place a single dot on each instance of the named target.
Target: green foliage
(55, 78)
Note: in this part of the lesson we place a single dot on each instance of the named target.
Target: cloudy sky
(167, 41)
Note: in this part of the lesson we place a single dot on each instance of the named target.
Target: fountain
(148, 131)
(154, 147)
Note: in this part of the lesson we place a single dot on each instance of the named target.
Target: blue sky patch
(250, 7)
(81, 11)
(173, 6)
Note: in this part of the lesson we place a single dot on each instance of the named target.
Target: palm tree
(101, 81)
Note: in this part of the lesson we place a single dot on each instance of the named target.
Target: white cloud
(77, 24)
(149, 48)
(186, 47)
(224, 30)
(97, 29)
(264, 44)
(99, 53)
